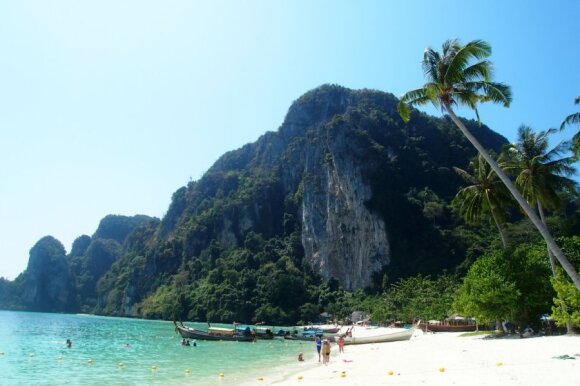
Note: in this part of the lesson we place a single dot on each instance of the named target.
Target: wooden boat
(444, 327)
(213, 333)
(381, 335)
(309, 335)
(326, 329)
(257, 331)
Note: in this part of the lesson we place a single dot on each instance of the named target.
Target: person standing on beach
(340, 344)
(318, 346)
(325, 351)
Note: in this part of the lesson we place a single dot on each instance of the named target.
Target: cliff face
(334, 155)
(342, 238)
(49, 284)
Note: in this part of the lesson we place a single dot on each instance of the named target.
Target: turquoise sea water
(33, 352)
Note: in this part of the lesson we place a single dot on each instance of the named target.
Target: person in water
(68, 343)
(300, 357)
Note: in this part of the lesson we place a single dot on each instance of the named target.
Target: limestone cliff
(49, 284)
(336, 153)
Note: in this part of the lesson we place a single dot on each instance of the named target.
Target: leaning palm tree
(540, 173)
(485, 196)
(452, 80)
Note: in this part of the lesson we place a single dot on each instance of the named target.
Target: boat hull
(381, 338)
(192, 333)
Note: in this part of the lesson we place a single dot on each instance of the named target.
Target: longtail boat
(213, 333)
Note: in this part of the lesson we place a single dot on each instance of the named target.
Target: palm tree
(573, 119)
(452, 80)
(485, 196)
(540, 173)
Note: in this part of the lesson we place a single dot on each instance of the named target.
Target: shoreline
(442, 359)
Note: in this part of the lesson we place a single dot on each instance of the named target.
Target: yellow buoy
(187, 371)
(89, 361)
(260, 378)
(390, 372)
(59, 358)
(121, 364)
(30, 354)
(299, 377)
(499, 364)
(153, 367)
(442, 369)
(343, 374)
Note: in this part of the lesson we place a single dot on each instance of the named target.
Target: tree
(566, 308)
(485, 292)
(453, 80)
(540, 173)
(574, 119)
(419, 296)
(509, 284)
(485, 196)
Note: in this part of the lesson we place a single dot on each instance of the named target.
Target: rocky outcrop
(49, 284)
(115, 227)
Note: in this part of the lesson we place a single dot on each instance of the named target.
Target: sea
(122, 351)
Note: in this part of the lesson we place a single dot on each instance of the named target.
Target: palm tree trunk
(570, 270)
(550, 254)
(503, 240)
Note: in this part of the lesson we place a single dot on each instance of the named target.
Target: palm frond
(410, 96)
(476, 49)
(465, 175)
(561, 167)
(557, 151)
(572, 119)
(449, 49)
(431, 58)
(467, 97)
(497, 93)
(404, 111)
(478, 71)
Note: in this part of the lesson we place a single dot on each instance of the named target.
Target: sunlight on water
(120, 351)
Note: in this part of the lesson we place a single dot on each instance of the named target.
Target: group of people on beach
(323, 349)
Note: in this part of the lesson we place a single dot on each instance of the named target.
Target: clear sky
(109, 106)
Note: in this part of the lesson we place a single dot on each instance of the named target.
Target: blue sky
(108, 107)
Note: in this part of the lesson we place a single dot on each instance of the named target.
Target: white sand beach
(441, 359)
